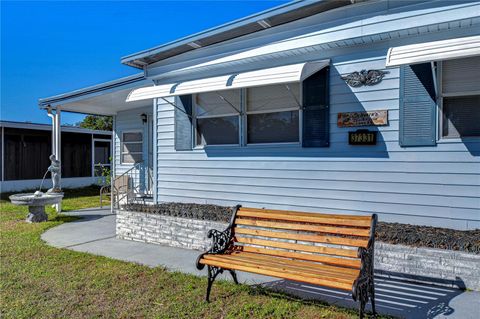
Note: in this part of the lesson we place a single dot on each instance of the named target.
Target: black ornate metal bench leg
(234, 276)
(362, 308)
(372, 299)
(213, 272)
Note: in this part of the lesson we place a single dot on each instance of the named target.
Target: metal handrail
(113, 191)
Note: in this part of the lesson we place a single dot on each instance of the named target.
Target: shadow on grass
(66, 218)
(92, 190)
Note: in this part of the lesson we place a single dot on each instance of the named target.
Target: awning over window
(282, 74)
(434, 51)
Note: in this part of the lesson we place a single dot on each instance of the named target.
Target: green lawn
(45, 282)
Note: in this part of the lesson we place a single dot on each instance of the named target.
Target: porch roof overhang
(434, 51)
(103, 99)
(276, 75)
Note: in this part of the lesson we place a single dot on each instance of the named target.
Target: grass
(45, 282)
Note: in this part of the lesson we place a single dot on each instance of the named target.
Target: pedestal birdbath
(36, 204)
(36, 201)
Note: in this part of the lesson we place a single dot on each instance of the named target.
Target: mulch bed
(392, 233)
(425, 236)
(194, 211)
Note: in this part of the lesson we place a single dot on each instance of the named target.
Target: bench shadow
(399, 295)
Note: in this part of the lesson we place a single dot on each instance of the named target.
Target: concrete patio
(95, 233)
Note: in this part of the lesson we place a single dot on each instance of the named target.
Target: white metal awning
(277, 75)
(434, 51)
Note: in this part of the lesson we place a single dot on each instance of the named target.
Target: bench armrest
(221, 240)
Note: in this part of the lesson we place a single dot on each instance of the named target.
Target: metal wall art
(371, 77)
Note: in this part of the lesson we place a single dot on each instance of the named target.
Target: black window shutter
(183, 123)
(417, 106)
(316, 111)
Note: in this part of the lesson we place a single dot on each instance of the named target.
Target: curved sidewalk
(95, 233)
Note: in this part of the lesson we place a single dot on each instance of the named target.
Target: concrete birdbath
(36, 203)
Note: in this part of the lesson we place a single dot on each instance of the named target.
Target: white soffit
(434, 51)
(277, 75)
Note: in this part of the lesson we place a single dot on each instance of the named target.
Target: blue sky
(49, 48)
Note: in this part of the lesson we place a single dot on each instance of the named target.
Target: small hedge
(392, 233)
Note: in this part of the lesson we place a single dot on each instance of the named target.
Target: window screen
(102, 152)
(461, 116)
(217, 130)
(461, 97)
(217, 117)
(277, 127)
(273, 113)
(273, 97)
(461, 76)
(132, 147)
(217, 103)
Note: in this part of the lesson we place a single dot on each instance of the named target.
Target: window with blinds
(273, 113)
(132, 147)
(217, 117)
(460, 98)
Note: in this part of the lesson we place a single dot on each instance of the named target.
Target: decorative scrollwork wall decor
(368, 78)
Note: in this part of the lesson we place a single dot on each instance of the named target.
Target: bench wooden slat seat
(334, 251)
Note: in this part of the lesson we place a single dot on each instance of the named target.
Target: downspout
(54, 126)
(56, 143)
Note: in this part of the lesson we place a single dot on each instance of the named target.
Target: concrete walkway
(95, 233)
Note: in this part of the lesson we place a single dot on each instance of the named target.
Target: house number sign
(368, 118)
(362, 137)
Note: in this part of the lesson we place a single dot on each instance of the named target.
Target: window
(217, 117)
(273, 113)
(460, 98)
(132, 147)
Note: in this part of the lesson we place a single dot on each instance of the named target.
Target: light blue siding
(437, 185)
(401, 184)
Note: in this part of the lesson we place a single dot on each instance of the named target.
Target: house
(25, 149)
(331, 106)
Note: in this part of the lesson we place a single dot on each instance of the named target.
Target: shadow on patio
(394, 296)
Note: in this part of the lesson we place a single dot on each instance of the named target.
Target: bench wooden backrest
(324, 238)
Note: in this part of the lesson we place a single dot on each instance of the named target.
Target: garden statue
(55, 170)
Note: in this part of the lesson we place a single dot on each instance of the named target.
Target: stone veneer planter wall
(447, 267)
(165, 230)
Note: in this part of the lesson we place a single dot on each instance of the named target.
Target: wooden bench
(334, 251)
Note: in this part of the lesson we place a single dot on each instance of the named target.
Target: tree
(97, 122)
